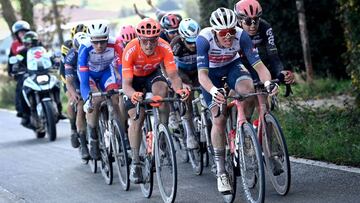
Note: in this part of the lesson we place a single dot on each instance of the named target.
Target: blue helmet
(189, 29)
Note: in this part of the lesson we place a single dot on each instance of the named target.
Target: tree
(57, 21)
(207, 7)
(8, 12)
(27, 13)
(350, 15)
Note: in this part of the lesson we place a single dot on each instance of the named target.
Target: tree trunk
(305, 41)
(57, 21)
(27, 13)
(8, 13)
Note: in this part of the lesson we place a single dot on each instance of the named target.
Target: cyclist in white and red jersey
(217, 48)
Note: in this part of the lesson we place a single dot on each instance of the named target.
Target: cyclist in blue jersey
(73, 89)
(96, 61)
(184, 49)
(217, 49)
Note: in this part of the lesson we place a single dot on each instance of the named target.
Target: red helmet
(148, 27)
(127, 33)
(170, 21)
(248, 8)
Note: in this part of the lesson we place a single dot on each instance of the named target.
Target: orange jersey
(136, 62)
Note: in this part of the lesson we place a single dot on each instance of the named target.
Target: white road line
(292, 159)
(325, 165)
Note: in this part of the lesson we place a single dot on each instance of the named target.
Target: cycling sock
(219, 158)
(135, 155)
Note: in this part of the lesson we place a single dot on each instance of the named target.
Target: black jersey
(184, 58)
(264, 41)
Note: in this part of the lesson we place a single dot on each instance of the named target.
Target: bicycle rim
(276, 156)
(120, 155)
(106, 167)
(147, 170)
(229, 167)
(165, 164)
(251, 165)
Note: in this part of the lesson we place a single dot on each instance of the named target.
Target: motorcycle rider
(19, 29)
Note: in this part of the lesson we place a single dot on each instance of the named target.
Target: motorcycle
(41, 90)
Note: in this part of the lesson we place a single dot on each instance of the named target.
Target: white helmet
(20, 25)
(99, 29)
(223, 18)
(189, 29)
(80, 38)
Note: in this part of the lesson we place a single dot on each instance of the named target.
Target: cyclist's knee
(244, 86)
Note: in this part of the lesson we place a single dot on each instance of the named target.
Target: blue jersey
(95, 65)
(70, 62)
(184, 58)
(210, 55)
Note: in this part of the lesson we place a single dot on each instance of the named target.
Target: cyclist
(218, 57)
(73, 90)
(141, 70)
(95, 62)
(184, 49)
(19, 28)
(248, 13)
(68, 44)
(170, 24)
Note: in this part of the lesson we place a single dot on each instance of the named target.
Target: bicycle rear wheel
(276, 156)
(120, 155)
(251, 164)
(165, 164)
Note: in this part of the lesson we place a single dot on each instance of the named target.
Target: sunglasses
(189, 43)
(99, 42)
(226, 32)
(172, 32)
(250, 21)
(151, 40)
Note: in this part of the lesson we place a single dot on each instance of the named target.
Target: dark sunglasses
(189, 43)
(100, 42)
(152, 40)
(226, 32)
(251, 21)
(172, 32)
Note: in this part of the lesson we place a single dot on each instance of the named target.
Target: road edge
(8, 197)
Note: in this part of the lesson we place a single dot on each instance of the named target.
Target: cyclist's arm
(128, 70)
(170, 67)
(275, 63)
(253, 57)
(202, 47)
(84, 71)
(70, 71)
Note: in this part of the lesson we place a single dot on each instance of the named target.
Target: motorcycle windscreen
(38, 59)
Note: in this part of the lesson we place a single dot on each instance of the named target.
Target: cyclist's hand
(136, 97)
(289, 77)
(272, 88)
(75, 98)
(218, 95)
(184, 93)
(88, 108)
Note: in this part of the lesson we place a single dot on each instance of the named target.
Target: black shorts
(189, 77)
(141, 84)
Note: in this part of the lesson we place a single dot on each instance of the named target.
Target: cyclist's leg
(240, 80)
(108, 82)
(134, 132)
(186, 77)
(218, 132)
(156, 83)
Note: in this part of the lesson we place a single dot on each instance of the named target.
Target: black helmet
(30, 38)
(76, 29)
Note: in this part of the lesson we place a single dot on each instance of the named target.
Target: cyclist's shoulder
(164, 46)
(206, 33)
(177, 45)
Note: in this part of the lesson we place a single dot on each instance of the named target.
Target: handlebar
(156, 100)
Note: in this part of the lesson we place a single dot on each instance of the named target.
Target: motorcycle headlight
(42, 79)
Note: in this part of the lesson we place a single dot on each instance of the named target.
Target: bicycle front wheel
(165, 164)
(251, 164)
(276, 156)
(120, 155)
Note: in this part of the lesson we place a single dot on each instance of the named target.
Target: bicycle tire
(196, 159)
(147, 169)
(168, 151)
(251, 164)
(230, 170)
(120, 155)
(281, 182)
(105, 151)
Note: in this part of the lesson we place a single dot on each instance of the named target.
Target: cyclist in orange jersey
(141, 71)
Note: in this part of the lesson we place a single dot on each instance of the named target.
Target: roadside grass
(321, 88)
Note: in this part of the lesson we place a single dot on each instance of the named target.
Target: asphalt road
(35, 170)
